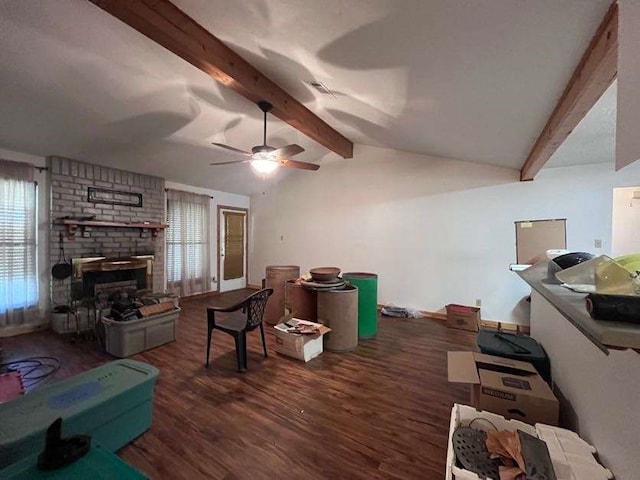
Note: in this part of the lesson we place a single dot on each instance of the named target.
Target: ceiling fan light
(264, 165)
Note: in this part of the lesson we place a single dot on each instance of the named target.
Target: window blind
(18, 245)
(187, 242)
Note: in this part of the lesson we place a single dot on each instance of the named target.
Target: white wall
(435, 231)
(625, 237)
(219, 198)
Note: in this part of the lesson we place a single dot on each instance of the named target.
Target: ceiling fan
(264, 158)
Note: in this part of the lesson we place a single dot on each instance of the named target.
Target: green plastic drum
(367, 284)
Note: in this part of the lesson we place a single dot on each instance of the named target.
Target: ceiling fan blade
(288, 151)
(232, 149)
(287, 163)
(229, 163)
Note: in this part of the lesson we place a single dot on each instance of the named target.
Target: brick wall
(68, 192)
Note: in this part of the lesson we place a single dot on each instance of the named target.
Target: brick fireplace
(100, 248)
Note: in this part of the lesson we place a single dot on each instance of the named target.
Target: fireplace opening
(95, 275)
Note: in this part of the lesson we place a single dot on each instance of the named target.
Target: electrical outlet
(478, 302)
(597, 243)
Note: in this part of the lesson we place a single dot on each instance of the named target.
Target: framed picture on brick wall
(114, 197)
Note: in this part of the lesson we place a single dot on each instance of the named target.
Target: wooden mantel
(72, 226)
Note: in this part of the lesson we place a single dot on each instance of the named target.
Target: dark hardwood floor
(379, 412)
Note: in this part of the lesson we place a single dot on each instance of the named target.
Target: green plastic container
(113, 403)
(367, 284)
(98, 464)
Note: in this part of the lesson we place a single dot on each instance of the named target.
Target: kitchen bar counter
(571, 305)
(598, 386)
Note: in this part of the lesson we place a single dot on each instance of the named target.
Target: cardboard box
(508, 387)
(571, 456)
(301, 347)
(462, 416)
(156, 308)
(463, 317)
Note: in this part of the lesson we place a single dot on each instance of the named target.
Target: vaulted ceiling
(464, 79)
(593, 140)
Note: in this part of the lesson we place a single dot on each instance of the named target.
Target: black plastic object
(572, 259)
(565, 261)
(63, 268)
(470, 448)
(394, 312)
(517, 347)
(59, 451)
(123, 310)
(614, 308)
(536, 457)
(253, 307)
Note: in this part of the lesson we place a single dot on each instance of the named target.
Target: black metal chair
(237, 325)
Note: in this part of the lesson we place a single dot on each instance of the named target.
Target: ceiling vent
(321, 87)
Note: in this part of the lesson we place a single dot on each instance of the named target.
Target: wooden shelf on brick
(72, 225)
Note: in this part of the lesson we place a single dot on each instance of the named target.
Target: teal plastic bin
(113, 403)
(367, 284)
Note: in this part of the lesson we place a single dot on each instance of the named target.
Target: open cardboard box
(572, 457)
(301, 347)
(508, 387)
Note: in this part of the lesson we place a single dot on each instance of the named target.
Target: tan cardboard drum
(338, 309)
(275, 278)
(299, 301)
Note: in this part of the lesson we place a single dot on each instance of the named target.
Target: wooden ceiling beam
(167, 25)
(593, 75)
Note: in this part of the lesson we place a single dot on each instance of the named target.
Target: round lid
(360, 275)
